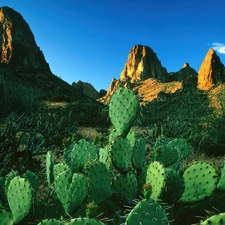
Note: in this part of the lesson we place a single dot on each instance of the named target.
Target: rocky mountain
(144, 74)
(211, 71)
(87, 89)
(22, 61)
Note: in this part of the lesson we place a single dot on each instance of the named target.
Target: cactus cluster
(91, 180)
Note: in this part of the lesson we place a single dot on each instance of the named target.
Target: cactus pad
(156, 177)
(84, 221)
(6, 218)
(218, 219)
(49, 168)
(99, 182)
(71, 189)
(147, 211)
(123, 109)
(121, 154)
(19, 197)
(221, 184)
(50, 222)
(82, 153)
(139, 150)
(59, 168)
(125, 187)
(200, 181)
(33, 179)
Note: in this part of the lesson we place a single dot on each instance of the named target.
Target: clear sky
(90, 40)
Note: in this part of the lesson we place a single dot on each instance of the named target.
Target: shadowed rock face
(86, 89)
(18, 49)
(211, 71)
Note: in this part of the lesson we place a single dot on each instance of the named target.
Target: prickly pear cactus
(19, 197)
(139, 150)
(200, 181)
(84, 221)
(182, 146)
(33, 179)
(218, 219)
(59, 168)
(156, 177)
(71, 189)
(99, 182)
(162, 141)
(166, 154)
(221, 184)
(125, 187)
(82, 153)
(147, 211)
(174, 186)
(6, 217)
(121, 154)
(123, 109)
(49, 168)
(50, 222)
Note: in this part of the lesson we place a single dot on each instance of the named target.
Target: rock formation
(142, 64)
(19, 50)
(185, 72)
(22, 61)
(211, 71)
(86, 89)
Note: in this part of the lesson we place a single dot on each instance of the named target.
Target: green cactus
(50, 222)
(19, 197)
(174, 186)
(99, 180)
(71, 189)
(84, 221)
(59, 168)
(9, 177)
(162, 141)
(121, 154)
(147, 211)
(166, 154)
(156, 177)
(124, 187)
(182, 146)
(49, 168)
(139, 150)
(6, 218)
(82, 153)
(221, 184)
(218, 219)
(33, 179)
(123, 109)
(200, 181)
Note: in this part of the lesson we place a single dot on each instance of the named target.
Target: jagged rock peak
(186, 65)
(142, 64)
(87, 89)
(211, 71)
(19, 50)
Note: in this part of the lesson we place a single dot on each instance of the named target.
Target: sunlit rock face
(143, 63)
(211, 71)
(18, 49)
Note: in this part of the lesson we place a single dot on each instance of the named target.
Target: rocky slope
(23, 62)
(144, 74)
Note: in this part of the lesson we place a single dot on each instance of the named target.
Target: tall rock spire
(211, 71)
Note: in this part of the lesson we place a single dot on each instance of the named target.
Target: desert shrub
(18, 98)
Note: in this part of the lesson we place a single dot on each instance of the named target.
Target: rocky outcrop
(86, 89)
(185, 72)
(19, 50)
(142, 64)
(211, 71)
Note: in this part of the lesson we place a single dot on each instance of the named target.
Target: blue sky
(90, 40)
